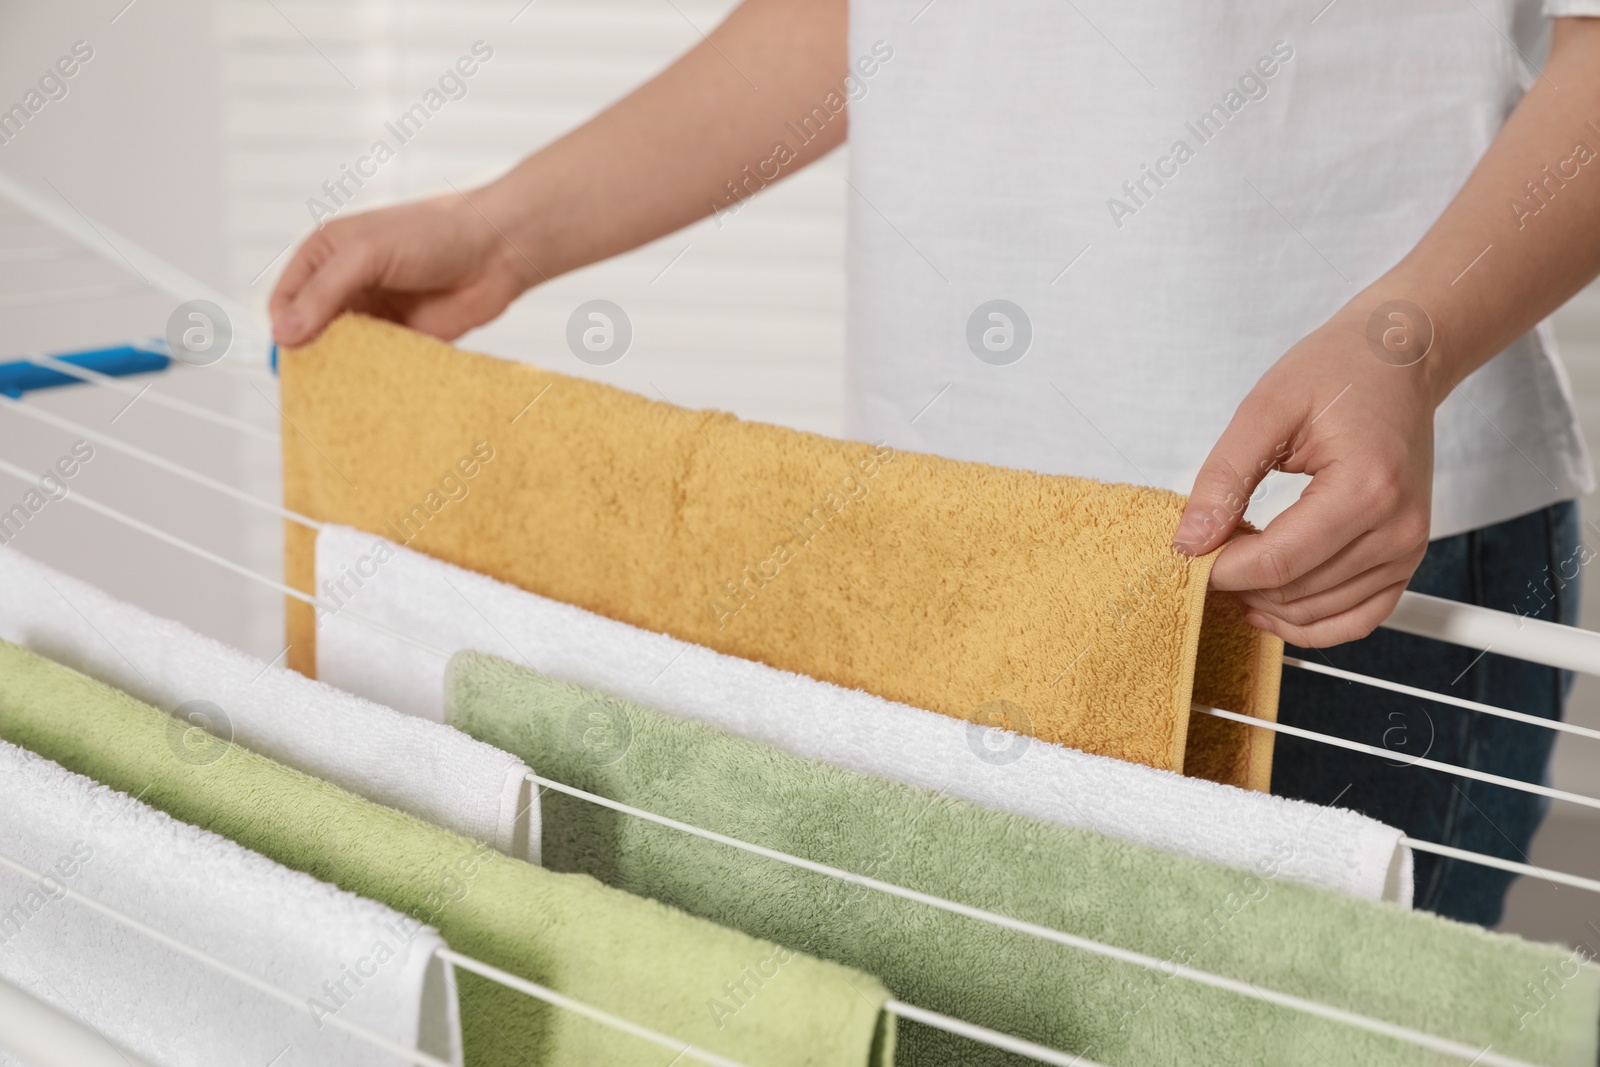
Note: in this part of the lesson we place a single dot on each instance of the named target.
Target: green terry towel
(636, 958)
(1412, 968)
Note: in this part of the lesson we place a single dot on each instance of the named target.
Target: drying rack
(45, 1037)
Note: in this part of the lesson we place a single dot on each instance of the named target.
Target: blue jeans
(1529, 565)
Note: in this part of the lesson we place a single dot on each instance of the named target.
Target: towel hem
(1264, 706)
(515, 834)
(1183, 695)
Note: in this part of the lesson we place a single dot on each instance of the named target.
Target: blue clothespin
(20, 376)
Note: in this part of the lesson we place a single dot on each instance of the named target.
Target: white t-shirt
(1172, 194)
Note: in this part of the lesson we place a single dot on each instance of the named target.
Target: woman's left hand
(1352, 404)
(1332, 566)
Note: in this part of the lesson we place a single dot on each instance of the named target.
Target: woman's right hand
(436, 265)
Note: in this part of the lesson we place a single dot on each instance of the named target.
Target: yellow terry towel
(1048, 605)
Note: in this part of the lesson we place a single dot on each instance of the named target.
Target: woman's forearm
(1523, 234)
(692, 141)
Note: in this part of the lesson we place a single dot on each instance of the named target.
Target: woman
(1176, 244)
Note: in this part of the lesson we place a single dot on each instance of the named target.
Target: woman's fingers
(1328, 517)
(312, 253)
(336, 278)
(1395, 542)
(1332, 600)
(1255, 442)
(1348, 625)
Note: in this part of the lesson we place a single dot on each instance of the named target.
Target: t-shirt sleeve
(1557, 9)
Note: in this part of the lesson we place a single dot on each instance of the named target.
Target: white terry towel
(279, 926)
(455, 609)
(422, 768)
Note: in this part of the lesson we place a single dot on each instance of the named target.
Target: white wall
(133, 144)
